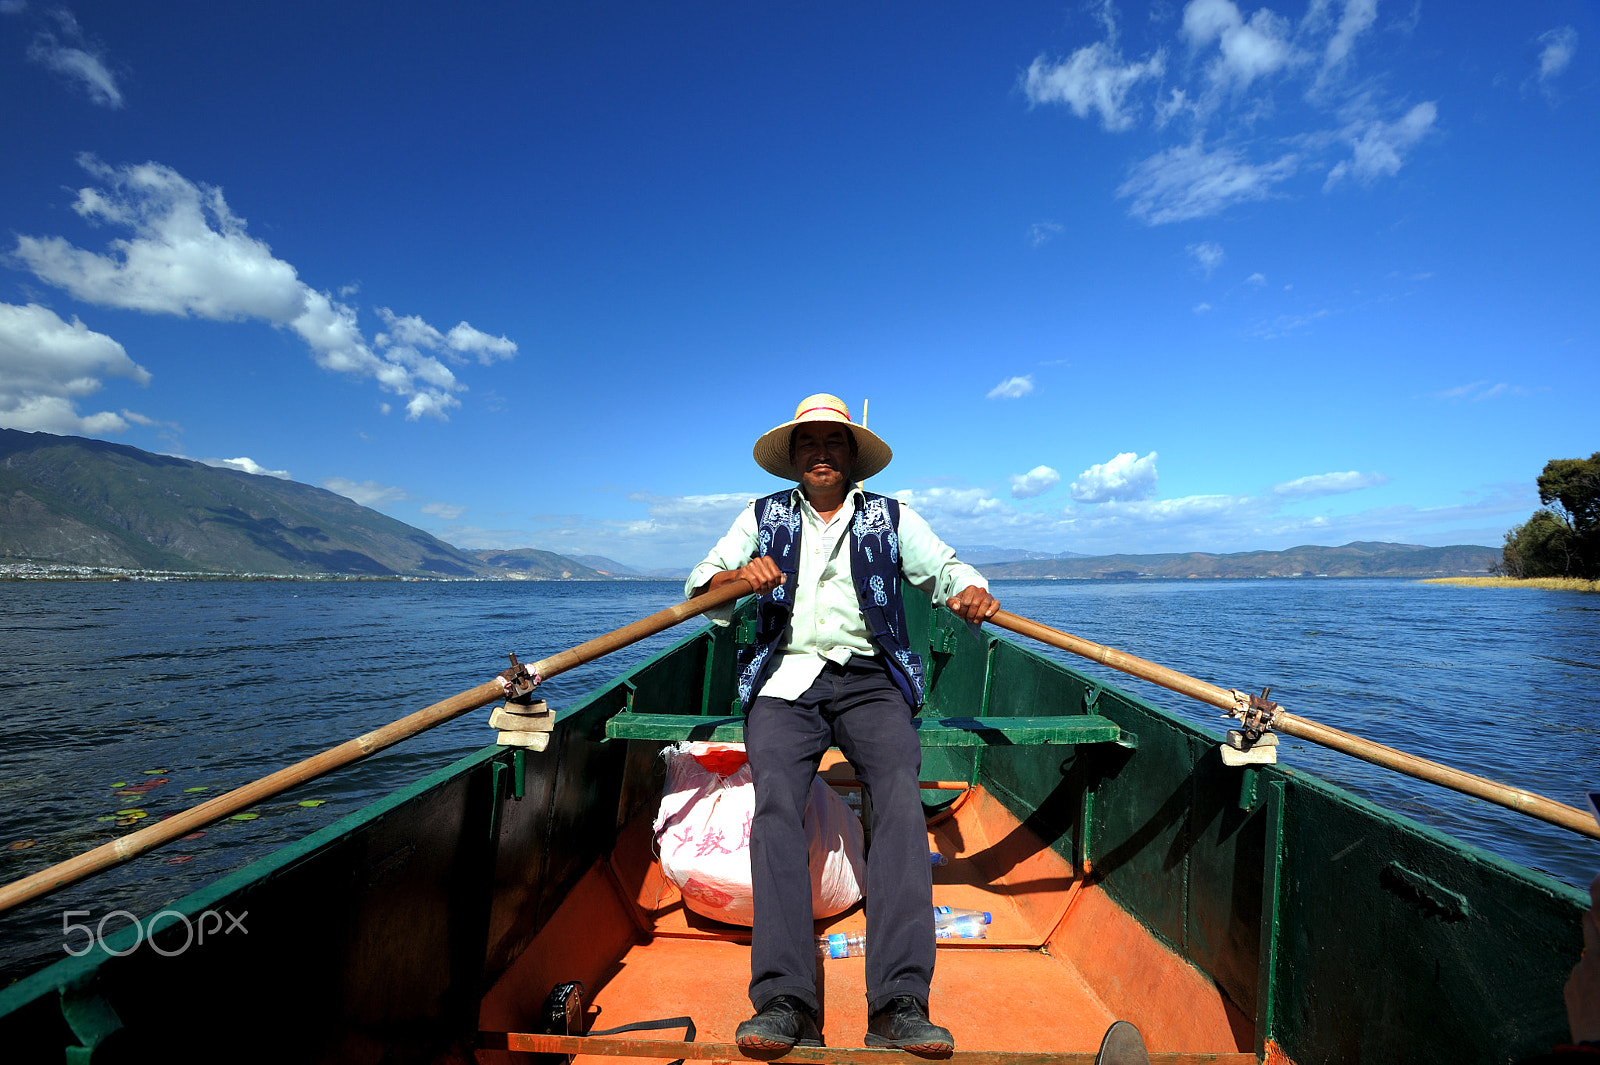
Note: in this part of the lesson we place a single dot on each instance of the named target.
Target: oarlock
(1255, 743)
(523, 721)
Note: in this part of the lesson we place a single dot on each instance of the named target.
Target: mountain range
(1358, 559)
(75, 502)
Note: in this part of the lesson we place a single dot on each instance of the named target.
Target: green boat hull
(1343, 931)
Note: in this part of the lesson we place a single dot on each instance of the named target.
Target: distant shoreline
(1555, 584)
(16, 573)
(115, 575)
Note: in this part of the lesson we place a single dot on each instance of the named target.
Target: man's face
(822, 455)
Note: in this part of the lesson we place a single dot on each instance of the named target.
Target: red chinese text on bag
(703, 836)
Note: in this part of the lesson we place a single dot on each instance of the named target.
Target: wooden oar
(1281, 720)
(135, 843)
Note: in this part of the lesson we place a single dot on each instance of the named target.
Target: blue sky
(1115, 277)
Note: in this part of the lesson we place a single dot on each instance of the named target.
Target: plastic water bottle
(964, 927)
(935, 858)
(949, 913)
(842, 945)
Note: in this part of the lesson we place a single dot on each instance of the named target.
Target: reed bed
(1559, 584)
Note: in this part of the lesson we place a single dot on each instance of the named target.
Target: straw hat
(772, 450)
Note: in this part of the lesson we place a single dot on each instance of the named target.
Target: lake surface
(217, 684)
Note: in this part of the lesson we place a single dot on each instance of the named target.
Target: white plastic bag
(702, 834)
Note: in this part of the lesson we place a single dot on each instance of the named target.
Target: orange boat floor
(1062, 961)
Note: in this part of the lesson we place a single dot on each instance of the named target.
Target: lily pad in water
(180, 859)
(135, 814)
(244, 817)
(155, 772)
(202, 787)
(193, 835)
(22, 844)
(120, 784)
(313, 802)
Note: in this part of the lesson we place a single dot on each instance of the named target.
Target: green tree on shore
(1563, 538)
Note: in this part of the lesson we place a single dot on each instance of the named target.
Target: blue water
(216, 684)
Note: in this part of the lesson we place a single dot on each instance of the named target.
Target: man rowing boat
(831, 664)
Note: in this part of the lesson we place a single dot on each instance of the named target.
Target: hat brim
(772, 450)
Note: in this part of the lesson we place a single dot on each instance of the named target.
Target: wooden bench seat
(933, 732)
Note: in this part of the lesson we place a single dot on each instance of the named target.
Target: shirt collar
(853, 498)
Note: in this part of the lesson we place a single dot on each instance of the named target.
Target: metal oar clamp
(523, 721)
(1255, 743)
(518, 681)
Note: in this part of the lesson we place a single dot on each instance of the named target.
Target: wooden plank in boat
(933, 732)
(653, 1048)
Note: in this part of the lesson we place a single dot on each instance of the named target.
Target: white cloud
(1247, 50)
(406, 336)
(949, 502)
(447, 511)
(1258, 279)
(149, 423)
(13, 7)
(1478, 391)
(1042, 232)
(1183, 510)
(1216, 522)
(679, 529)
(1094, 78)
(1125, 478)
(711, 513)
(1221, 523)
(1357, 18)
(47, 363)
(408, 332)
(75, 59)
(1238, 67)
(1326, 484)
(1208, 254)
(190, 255)
(367, 493)
(676, 530)
(489, 349)
(1559, 46)
(1189, 182)
(246, 464)
(1035, 482)
(973, 515)
(1202, 307)
(1012, 388)
(1176, 104)
(1285, 324)
(1378, 147)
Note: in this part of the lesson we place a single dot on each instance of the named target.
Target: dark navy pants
(857, 707)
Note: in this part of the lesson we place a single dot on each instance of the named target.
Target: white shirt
(827, 625)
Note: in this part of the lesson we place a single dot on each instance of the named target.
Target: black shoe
(1123, 1045)
(780, 1024)
(904, 1023)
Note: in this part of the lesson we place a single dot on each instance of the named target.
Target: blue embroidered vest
(874, 569)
